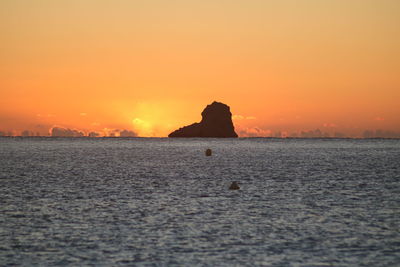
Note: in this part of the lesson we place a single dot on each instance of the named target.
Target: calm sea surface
(162, 202)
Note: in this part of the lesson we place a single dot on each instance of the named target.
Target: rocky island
(216, 122)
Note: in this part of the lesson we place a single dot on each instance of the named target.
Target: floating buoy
(234, 186)
(208, 152)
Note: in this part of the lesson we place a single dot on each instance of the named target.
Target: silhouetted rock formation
(216, 122)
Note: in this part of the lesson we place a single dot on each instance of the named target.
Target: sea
(163, 202)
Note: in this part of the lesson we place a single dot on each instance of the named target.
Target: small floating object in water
(234, 186)
(208, 152)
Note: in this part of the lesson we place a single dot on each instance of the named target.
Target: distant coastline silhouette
(216, 122)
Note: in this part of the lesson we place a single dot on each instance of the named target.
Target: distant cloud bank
(65, 132)
(58, 131)
(127, 133)
(317, 133)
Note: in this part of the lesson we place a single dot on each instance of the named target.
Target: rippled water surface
(110, 202)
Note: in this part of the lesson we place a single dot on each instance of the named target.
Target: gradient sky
(153, 65)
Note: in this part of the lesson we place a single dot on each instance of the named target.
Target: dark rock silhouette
(208, 152)
(234, 186)
(216, 122)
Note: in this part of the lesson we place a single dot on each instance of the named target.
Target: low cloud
(27, 133)
(119, 133)
(127, 133)
(237, 117)
(254, 132)
(65, 132)
(313, 134)
(240, 117)
(45, 115)
(380, 134)
(8, 133)
(93, 134)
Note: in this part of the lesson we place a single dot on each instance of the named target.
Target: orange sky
(152, 66)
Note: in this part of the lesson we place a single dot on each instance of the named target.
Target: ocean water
(162, 202)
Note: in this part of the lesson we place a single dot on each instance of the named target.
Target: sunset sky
(151, 66)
